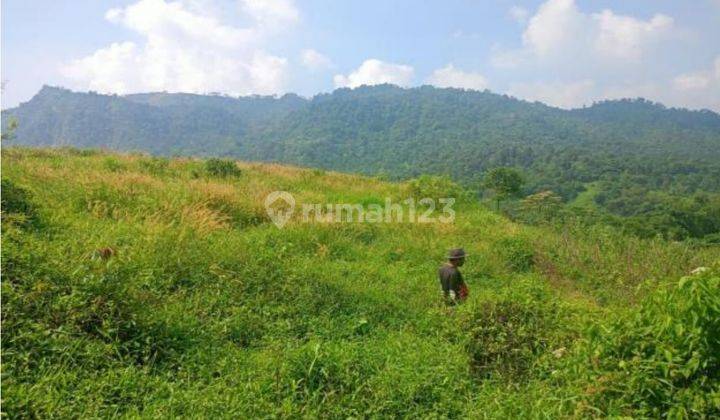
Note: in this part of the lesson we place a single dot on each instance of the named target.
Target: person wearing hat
(453, 286)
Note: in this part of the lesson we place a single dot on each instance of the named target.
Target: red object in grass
(464, 291)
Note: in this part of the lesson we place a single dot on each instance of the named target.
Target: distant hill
(402, 132)
(422, 128)
(158, 123)
(626, 147)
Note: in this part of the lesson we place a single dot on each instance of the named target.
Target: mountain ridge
(142, 97)
(641, 158)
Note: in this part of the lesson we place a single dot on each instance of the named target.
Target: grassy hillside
(140, 286)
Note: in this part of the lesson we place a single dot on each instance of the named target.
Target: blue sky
(563, 52)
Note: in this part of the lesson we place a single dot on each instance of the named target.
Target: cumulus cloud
(449, 76)
(569, 57)
(184, 49)
(375, 72)
(627, 37)
(699, 79)
(699, 88)
(560, 29)
(314, 60)
(559, 94)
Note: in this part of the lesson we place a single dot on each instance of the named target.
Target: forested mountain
(633, 158)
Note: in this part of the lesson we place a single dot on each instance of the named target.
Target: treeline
(652, 169)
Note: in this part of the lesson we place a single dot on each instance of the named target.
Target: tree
(504, 182)
(542, 206)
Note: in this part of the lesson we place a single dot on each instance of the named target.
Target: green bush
(664, 359)
(517, 253)
(222, 168)
(155, 165)
(434, 187)
(507, 337)
(17, 201)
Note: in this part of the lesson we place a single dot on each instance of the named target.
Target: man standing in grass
(453, 286)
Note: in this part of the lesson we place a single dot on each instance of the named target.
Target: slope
(141, 286)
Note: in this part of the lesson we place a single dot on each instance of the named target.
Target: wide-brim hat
(456, 253)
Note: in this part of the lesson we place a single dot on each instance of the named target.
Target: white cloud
(449, 76)
(375, 72)
(690, 81)
(626, 37)
(271, 12)
(186, 50)
(314, 60)
(560, 94)
(699, 79)
(519, 14)
(556, 24)
(598, 55)
(697, 89)
(559, 28)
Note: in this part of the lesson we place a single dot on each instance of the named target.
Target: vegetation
(504, 182)
(155, 288)
(222, 168)
(652, 170)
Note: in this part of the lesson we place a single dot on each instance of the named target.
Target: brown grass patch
(203, 219)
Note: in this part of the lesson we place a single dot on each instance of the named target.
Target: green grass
(203, 307)
(586, 199)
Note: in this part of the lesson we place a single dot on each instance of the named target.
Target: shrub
(507, 337)
(155, 166)
(428, 186)
(17, 200)
(664, 359)
(222, 168)
(517, 253)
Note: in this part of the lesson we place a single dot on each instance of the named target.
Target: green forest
(144, 286)
(632, 164)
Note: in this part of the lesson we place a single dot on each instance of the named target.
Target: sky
(566, 53)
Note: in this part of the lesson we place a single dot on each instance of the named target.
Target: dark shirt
(450, 279)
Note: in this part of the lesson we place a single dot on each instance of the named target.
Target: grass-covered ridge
(142, 286)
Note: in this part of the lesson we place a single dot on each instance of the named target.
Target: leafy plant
(222, 168)
(664, 359)
(17, 201)
(434, 187)
(517, 253)
(155, 165)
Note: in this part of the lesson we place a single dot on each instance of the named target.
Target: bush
(155, 166)
(517, 253)
(507, 337)
(222, 168)
(663, 360)
(434, 187)
(17, 200)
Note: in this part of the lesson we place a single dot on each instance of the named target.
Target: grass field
(139, 286)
